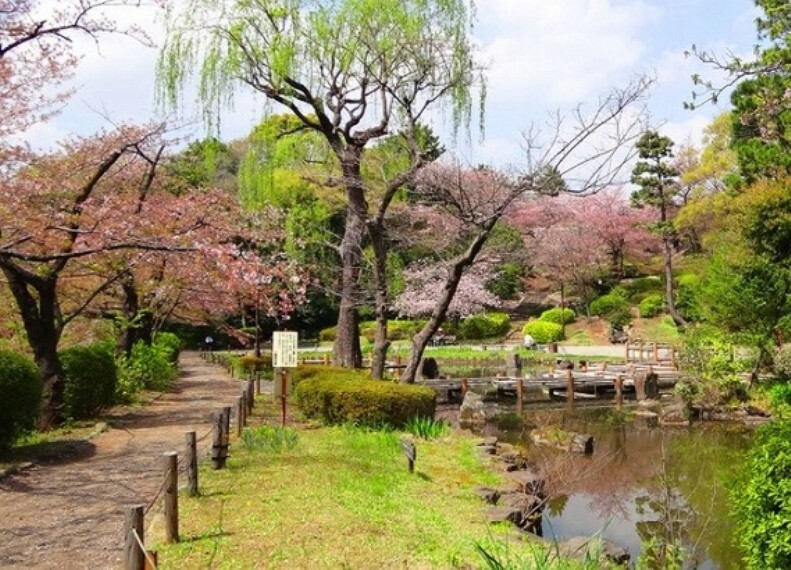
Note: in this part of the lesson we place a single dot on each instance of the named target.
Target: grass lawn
(343, 498)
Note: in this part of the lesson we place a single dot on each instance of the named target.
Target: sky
(540, 56)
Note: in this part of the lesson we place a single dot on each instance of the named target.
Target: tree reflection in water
(643, 486)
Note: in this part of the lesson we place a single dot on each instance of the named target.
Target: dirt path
(68, 512)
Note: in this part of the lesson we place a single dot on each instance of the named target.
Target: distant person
(529, 342)
(209, 343)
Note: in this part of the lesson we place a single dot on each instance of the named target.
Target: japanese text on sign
(284, 349)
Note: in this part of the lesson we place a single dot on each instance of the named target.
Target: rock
(472, 411)
(528, 482)
(645, 418)
(583, 548)
(530, 504)
(429, 369)
(513, 459)
(675, 415)
(505, 514)
(491, 440)
(488, 494)
(582, 443)
(753, 411)
(648, 404)
(564, 440)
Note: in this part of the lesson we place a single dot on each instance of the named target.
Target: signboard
(284, 349)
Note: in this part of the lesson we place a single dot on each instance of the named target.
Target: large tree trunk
(346, 350)
(381, 342)
(41, 318)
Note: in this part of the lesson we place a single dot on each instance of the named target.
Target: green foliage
(687, 302)
(715, 378)
(427, 428)
(780, 396)
(396, 329)
(148, 367)
(763, 500)
(91, 378)
(543, 332)
(487, 325)
(652, 305)
(507, 282)
(20, 386)
(270, 439)
(653, 174)
(171, 345)
(337, 396)
(782, 360)
(558, 316)
(328, 334)
(639, 288)
(250, 363)
(614, 307)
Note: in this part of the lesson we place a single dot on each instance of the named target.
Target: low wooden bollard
(191, 460)
(520, 395)
(250, 398)
(619, 390)
(639, 386)
(570, 388)
(410, 450)
(465, 386)
(134, 555)
(226, 425)
(326, 359)
(257, 383)
(656, 352)
(171, 510)
(219, 444)
(240, 407)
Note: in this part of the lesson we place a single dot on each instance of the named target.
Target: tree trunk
(127, 333)
(37, 300)
(346, 350)
(420, 340)
(667, 248)
(381, 343)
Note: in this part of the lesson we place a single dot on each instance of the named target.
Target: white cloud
(558, 52)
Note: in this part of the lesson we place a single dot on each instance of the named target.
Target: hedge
(543, 332)
(558, 316)
(20, 386)
(171, 344)
(91, 378)
(337, 396)
(613, 306)
(652, 305)
(486, 325)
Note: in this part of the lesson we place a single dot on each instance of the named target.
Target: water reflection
(643, 486)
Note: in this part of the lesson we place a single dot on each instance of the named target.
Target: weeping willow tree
(352, 70)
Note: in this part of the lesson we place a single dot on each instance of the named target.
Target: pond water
(641, 483)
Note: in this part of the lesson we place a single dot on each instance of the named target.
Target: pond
(641, 483)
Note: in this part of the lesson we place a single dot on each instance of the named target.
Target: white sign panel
(284, 349)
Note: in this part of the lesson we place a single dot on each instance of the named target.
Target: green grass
(341, 498)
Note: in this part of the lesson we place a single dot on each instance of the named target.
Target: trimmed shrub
(171, 344)
(20, 386)
(487, 325)
(328, 334)
(337, 396)
(250, 363)
(638, 289)
(614, 307)
(543, 332)
(91, 378)
(652, 305)
(558, 316)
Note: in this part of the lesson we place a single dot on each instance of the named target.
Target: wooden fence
(136, 555)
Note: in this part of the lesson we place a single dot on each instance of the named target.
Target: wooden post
(397, 360)
(627, 351)
(250, 397)
(219, 444)
(619, 390)
(283, 390)
(604, 366)
(570, 388)
(520, 395)
(171, 465)
(192, 464)
(639, 386)
(226, 428)
(133, 522)
(239, 414)
(326, 359)
(465, 386)
(257, 383)
(154, 560)
(640, 358)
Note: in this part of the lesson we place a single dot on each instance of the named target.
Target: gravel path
(68, 512)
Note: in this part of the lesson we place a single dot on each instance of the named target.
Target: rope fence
(136, 556)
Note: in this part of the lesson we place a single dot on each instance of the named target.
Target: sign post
(284, 356)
